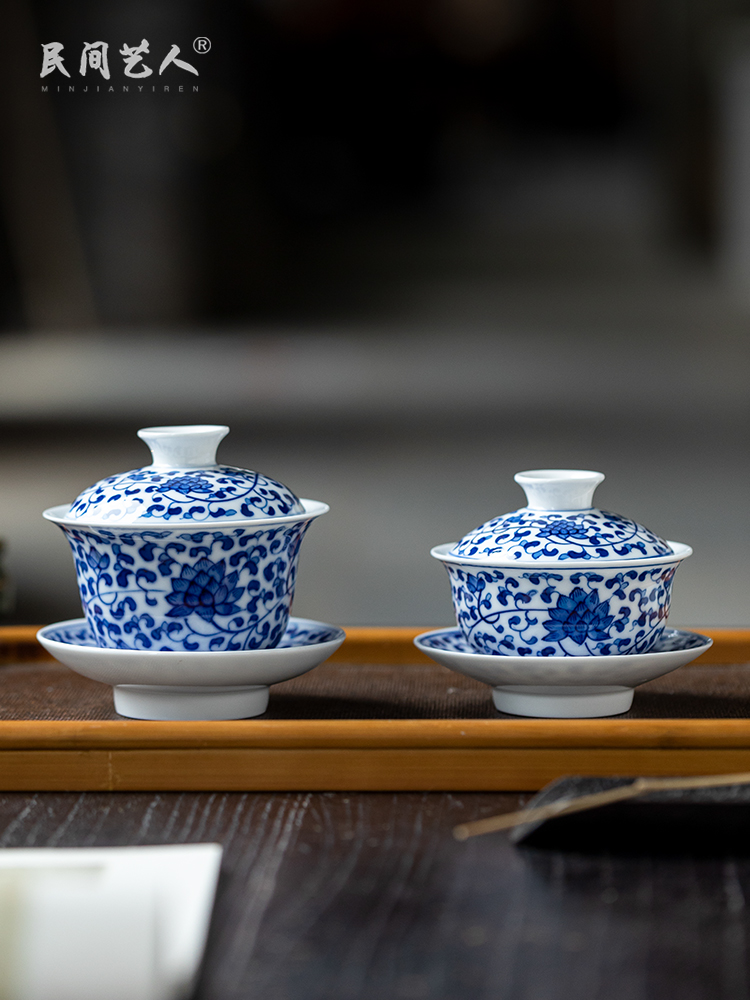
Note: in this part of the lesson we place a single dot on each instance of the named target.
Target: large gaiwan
(184, 554)
(560, 577)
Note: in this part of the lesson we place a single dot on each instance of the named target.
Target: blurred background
(405, 249)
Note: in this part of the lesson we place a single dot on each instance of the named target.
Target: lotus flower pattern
(579, 616)
(190, 484)
(566, 529)
(204, 588)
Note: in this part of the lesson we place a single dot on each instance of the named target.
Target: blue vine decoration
(199, 495)
(187, 590)
(581, 536)
(546, 613)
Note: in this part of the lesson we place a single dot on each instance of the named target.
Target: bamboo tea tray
(378, 716)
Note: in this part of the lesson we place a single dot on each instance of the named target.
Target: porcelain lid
(183, 484)
(559, 525)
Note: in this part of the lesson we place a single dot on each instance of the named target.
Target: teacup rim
(444, 554)
(58, 515)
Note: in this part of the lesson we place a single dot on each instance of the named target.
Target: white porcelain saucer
(563, 687)
(150, 684)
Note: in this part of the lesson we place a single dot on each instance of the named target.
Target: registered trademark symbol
(202, 45)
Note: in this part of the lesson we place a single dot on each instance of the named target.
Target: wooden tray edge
(386, 770)
(378, 734)
(387, 645)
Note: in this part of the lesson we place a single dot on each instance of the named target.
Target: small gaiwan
(185, 554)
(560, 577)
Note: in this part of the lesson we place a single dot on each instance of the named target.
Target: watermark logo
(95, 58)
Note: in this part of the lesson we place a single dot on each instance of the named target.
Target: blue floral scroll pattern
(198, 495)
(453, 641)
(74, 635)
(583, 613)
(187, 590)
(298, 633)
(582, 535)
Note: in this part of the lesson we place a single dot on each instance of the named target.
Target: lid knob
(192, 446)
(559, 489)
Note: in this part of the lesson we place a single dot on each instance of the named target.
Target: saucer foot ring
(189, 704)
(563, 702)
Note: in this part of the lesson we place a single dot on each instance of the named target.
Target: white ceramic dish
(171, 685)
(114, 922)
(563, 687)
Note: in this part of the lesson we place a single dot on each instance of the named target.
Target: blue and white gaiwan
(184, 554)
(560, 577)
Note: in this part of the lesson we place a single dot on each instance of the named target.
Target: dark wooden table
(367, 896)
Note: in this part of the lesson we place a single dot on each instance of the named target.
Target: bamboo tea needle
(583, 802)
